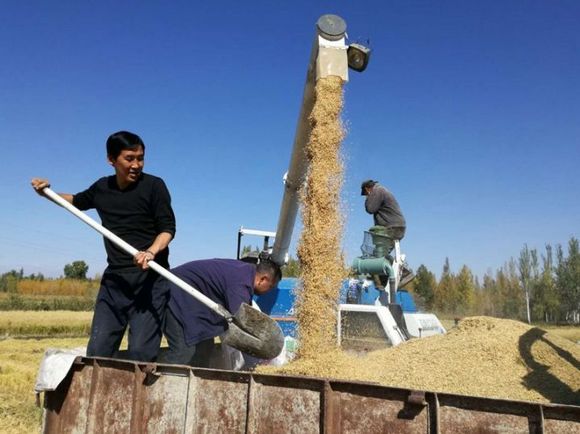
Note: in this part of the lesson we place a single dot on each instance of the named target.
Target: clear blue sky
(469, 112)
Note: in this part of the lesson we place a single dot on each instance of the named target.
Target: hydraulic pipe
(328, 58)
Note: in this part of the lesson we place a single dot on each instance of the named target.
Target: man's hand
(141, 259)
(39, 185)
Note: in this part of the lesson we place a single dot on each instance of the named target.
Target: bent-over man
(229, 282)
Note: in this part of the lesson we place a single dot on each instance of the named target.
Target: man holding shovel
(230, 283)
(137, 207)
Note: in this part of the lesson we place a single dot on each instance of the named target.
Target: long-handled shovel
(249, 330)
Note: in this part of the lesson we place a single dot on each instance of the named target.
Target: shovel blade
(254, 333)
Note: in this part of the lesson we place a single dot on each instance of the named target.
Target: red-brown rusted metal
(115, 396)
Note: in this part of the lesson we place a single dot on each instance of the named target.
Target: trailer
(114, 396)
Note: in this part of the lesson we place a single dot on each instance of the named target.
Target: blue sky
(469, 112)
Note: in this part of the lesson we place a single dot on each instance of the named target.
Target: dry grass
(50, 324)
(75, 287)
(19, 363)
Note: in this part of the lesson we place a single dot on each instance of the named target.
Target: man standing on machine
(389, 222)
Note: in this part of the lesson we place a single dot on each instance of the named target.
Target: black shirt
(136, 214)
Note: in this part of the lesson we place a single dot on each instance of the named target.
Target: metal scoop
(249, 330)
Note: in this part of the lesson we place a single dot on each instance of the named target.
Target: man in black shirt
(137, 207)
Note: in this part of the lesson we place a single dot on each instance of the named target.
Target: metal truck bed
(106, 395)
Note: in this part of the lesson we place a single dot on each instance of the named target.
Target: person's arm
(39, 184)
(373, 201)
(164, 222)
(237, 294)
(161, 242)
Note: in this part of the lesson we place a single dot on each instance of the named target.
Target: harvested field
(319, 248)
(19, 363)
(49, 324)
(482, 356)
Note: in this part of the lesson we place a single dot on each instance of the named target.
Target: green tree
(424, 287)
(464, 290)
(9, 280)
(446, 293)
(512, 302)
(488, 296)
(76, 270)
(292, 268)
(526, 262)
(568, 281)
(546, 301)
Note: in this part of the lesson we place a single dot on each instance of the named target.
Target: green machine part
(379, 266)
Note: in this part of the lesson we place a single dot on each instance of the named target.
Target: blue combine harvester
(363, 323)
(368, 315)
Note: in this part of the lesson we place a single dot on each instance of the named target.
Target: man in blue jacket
(229, 282)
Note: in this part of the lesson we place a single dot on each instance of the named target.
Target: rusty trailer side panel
(115, 396)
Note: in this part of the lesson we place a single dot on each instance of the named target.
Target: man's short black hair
(122, 140)
(266, 266)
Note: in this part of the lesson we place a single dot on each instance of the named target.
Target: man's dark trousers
(133, 298)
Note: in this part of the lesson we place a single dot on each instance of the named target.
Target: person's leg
(109, 320)
(407, 275)
(206, 353)
(382, 240)
(146, 317)
(179, 352)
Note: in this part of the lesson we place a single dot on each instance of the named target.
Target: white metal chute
(380, 327)
(328, 58)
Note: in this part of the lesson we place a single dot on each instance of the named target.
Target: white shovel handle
(220, 310)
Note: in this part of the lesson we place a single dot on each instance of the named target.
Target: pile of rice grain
(482, 356)
(319, 248)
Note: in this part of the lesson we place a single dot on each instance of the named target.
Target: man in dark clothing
(390, 225)
(385, 209)
(229, 282)
(136, 207)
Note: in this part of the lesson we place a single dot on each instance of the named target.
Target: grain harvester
(369, 315)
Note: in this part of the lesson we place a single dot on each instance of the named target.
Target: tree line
(535, 287)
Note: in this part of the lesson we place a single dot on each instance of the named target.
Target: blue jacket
(228, 282)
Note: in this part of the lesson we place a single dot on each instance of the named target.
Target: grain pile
(319, 247)
(482, 356)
